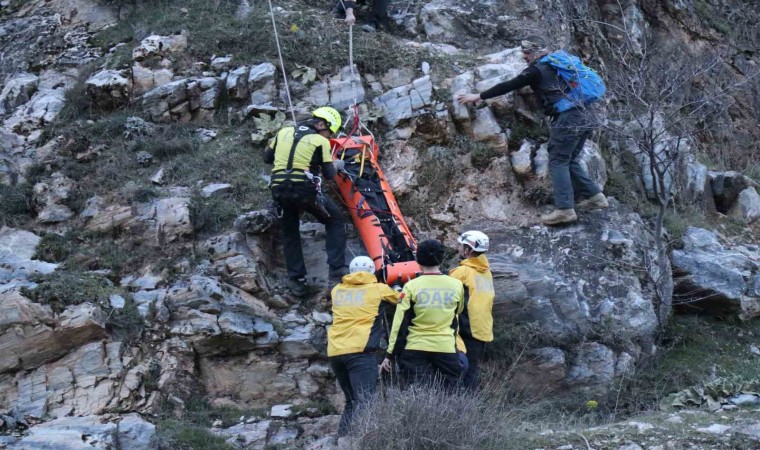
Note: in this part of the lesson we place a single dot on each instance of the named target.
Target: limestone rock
(160, 46)
(486, 129)
(215, 189)
(144, 79)
(109, 88)
(538, 281)
(338, 91)
(261, 84)
(592, 161)
(255, 222)
(726, 187)
(28, 345)
(521, 160)
(281, 411)
(17, 247)
(246, 435)
(182, 100)
(54, 214)
(715, 277)
(544, 369)
(462, 84)
(406, 101)
(593, 366)
(172, 216)
(747, 205)
(17, 91)
(237, 83)
(112, 217)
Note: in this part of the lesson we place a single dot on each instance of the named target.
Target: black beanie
(430, 253)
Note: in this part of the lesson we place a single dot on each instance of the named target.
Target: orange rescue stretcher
(374, 210)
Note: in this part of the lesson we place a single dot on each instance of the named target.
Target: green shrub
(54, 247)
(521, 129)
(176, 435)
(126, 324)
(211, 215)
(62, 289)
(16, 206)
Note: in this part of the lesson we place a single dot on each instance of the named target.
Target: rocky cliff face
(207, 312)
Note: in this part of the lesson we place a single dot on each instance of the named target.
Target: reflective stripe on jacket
(426, 318)
(358, 307)
(476, 320)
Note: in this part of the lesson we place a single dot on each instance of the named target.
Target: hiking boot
(598, 201)
(559, 216)
(297, 286)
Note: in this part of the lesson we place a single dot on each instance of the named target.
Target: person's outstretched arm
(530, 75)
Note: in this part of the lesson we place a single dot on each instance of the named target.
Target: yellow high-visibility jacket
(358, 307)
(476, 320)
(426, 318)
(312, 153)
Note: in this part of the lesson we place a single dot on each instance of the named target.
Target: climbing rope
(282, 64)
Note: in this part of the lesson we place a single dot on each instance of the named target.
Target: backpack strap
(298, 134)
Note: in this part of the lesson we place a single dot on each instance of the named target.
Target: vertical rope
(282, 64)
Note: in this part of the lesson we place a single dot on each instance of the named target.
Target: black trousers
(295, 199)
(475, 351)
(357, 377)
(419, 366)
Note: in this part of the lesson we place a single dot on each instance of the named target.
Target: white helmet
(362, 264)
(476, 240)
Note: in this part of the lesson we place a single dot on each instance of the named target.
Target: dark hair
(430, 253)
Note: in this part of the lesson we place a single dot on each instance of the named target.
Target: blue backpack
(586, 86)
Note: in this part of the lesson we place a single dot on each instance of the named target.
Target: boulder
(160, 46)
(405, 102)
(145, 79)
(237, 83)
(172, 217)
(79, 433)
(246, 435)
(714, 277)
(726, 187)
(112, 217)
(261, 84)
(521, 159)
(461, 84)
(540, 279)
(215, 189)
(27, 345)
(747, 206)
(486, 129)
(17, 247)
(338, 91)
(109, 88)
(542, 370)
(17, 91)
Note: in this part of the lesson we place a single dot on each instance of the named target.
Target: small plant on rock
(267, 126)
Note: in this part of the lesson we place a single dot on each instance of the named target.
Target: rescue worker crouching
(425, 325)
(358, 308)
(476, 320)
(298, 155)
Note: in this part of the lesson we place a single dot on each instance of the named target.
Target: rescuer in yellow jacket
(358, 307)
(425, 325)
(476, 320)
(298, 154)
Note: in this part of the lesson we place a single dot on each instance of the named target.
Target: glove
(339, 164)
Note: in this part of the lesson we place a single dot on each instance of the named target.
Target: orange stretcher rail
(374, 210)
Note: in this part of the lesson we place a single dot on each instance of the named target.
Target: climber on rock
(298, 155)
(358, 308)
(425, 325)
(569, 131)
(476, 320)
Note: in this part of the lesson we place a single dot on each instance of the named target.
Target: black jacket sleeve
(328, 170)
(348, 4)
(530, 76)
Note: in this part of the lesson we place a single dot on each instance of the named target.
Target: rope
(282, 64)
